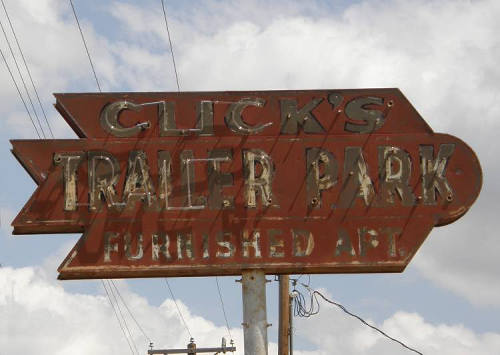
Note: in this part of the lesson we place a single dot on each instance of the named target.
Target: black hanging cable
(27, 69)
(302, 308)
(223, 308)
(22, 79)
(312, 310)
(308, 278)
(122, 316)
(178, 90)
(99, 88)
(171, 47)
(177, 306)
(19, 93)
(85, 44)
(116, 316)
(126, 330)
(130, 313)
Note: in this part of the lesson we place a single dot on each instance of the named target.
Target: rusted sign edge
(32, 172)
(70, 120)
(222, 270)
(225, 92)
(78, 122)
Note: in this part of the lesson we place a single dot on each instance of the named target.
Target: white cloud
(463, 257)
(40, 316)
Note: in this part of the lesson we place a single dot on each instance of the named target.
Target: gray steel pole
(254, 312)
(290, 334)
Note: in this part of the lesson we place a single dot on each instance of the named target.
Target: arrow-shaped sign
(168, 184)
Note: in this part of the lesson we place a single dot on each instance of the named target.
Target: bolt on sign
(213, 183)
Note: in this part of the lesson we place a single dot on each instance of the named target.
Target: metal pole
(290, 331)
(191, 347)
(254, 312)
(284, 315)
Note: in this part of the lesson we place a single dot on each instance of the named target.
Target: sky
(444, 57)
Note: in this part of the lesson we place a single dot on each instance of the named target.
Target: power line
(177, 306)
(223, 308)
(128, 309)
(27, 69)
(300, 306)
(124, 327)
(116, 316)
(85, 44)
(179, 89)
(171, 47)
(19, 93)
(22, 79)
(123, 318)
(109, 285)
(313, 294)
(308, 280)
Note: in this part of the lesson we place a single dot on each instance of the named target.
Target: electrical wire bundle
(308, 305)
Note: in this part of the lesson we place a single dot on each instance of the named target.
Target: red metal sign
(190, 184)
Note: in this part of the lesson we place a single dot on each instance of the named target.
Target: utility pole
(290, 319)
(284, 315)
(192, 349)
(255, 324)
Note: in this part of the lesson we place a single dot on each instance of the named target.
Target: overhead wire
(178, 309)
(300, 276)
(302, 308)
(19, 93)
(122, 316)
(116, 316)
(314, 309)
(171, 46)
(166, 281)
(178, 90)
(223, 308)
(27, 68)
(22, 78)
(130, 313)
(85, 45)
(125, 329)
(16, 85)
